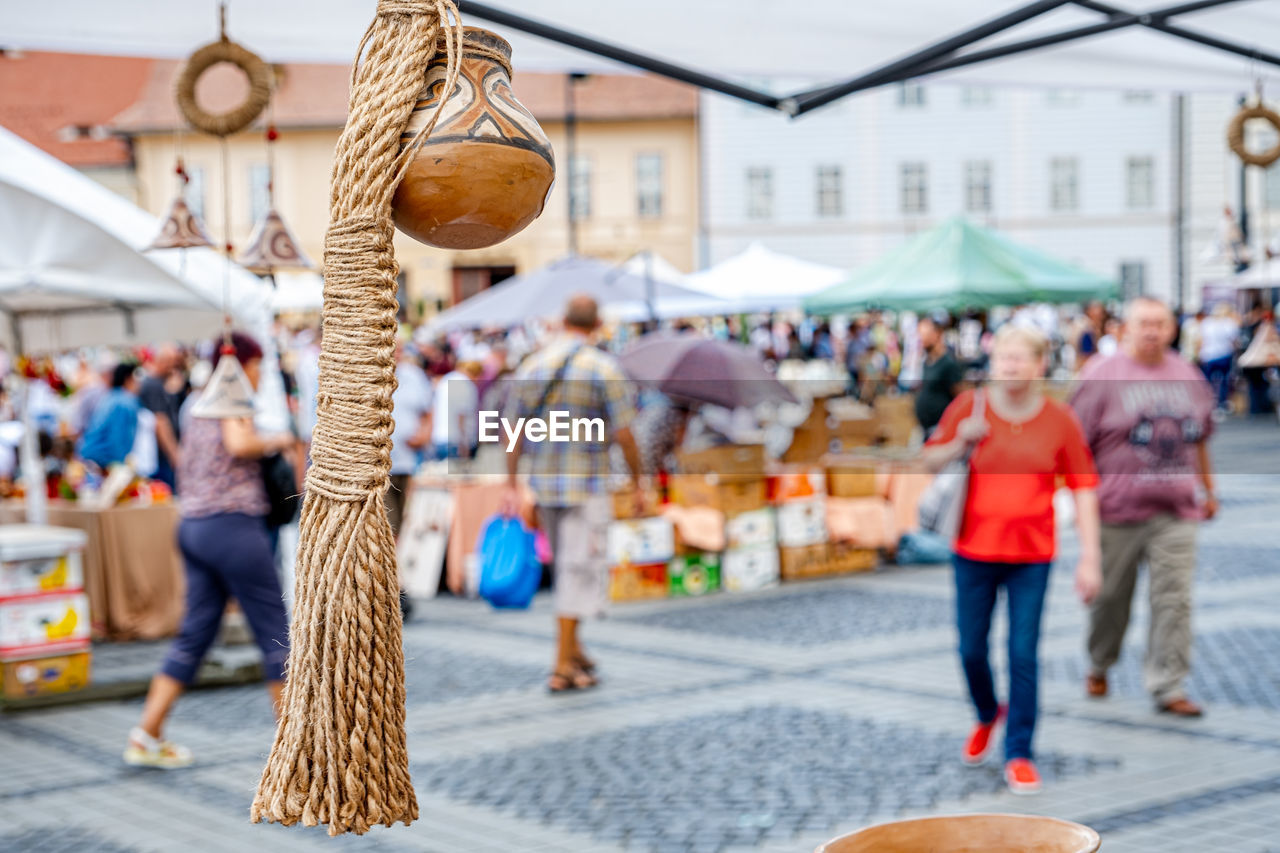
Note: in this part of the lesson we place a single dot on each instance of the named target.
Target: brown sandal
(585, 664)
(563, 681)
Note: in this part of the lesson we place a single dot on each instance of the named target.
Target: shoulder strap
(556, 379)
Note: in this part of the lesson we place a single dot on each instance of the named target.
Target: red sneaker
(978, 747)
(1022, 776)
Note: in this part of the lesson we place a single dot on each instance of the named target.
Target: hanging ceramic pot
(485, 170)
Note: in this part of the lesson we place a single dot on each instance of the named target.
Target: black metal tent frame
(940, 56)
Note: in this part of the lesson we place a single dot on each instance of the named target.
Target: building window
(1133, 278)
(1140, 182)
(1062, 98)
(1139, 96)
(1273, 187)
(649, 186)
(1064, 192)
(194, 192)
(976, 96)
(915, 188)
(830, 189)
(259, 191)
(759, 192)
(977, 186)
(910, 95)
(579, 187)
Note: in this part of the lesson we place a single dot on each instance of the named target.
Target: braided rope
(1235, 135)
(237, 118)
(339, 756)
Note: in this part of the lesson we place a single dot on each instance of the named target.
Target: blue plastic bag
(509, 569)
(923, 548)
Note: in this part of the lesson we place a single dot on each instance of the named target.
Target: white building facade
(1092, 177)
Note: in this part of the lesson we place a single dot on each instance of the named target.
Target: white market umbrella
(760, 279)
(544, 292)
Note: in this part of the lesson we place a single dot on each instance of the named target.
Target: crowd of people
(1131, 444)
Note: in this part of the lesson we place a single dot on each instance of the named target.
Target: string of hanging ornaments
(272, 245)
(464, 177)
(1236, 132)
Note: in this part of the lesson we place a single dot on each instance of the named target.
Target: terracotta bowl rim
(1090, 832)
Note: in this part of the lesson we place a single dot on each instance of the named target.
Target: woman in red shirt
(1022, 445)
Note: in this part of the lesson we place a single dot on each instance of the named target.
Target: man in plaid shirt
(570, 479)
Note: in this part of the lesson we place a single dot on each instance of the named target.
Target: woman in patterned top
(227, 554)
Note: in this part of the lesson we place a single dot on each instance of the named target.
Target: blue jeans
(1218, 372)
(977, 584)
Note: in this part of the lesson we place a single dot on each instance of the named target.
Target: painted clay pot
(485, 170)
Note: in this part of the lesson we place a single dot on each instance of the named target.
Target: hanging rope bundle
(339, 756)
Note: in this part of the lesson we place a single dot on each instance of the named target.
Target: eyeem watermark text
(559, 427)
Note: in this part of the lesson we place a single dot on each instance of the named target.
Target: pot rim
(473, 36)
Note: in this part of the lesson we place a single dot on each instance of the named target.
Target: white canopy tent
(299, 291)
(760, 279)
(745, 41)
(72, 273)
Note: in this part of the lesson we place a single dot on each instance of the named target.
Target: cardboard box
(726, 464)
(624, 504)
(732, 498)
(825, 560)
(854, 432)
(692, 575)
(22, 679)
(796, 482)
(642, 582)
(808, 445)
(897, 433)
(895, 409)
(847, 478)
(641, 540)
(862, 522)
(43, 624)
(748, 569)
(64, 573)
(758, 527)
(802, 523)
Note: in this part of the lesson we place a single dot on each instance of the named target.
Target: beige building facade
(635, 182)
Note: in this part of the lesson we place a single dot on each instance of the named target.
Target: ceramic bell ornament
(228, 393)
(484, 172)
(272, 245)
(181, 228)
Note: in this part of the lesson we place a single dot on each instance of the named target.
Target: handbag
(510, 571)
(283, 500)
(942, 503)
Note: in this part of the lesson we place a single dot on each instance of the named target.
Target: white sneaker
(146, 751)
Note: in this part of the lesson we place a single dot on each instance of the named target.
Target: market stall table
(132, 569)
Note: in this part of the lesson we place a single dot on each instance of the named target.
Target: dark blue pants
(977, 584)
(228, 556)
(1218, 372)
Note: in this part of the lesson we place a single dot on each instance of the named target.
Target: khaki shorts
(577, 535)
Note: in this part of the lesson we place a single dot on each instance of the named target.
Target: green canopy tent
(958, 265)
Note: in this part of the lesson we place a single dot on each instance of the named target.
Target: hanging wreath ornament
(223, 50)
(1235, 134)
(339, 756)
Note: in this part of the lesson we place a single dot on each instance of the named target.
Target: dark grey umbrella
(707, 371)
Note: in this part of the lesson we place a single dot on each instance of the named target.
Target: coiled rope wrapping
(339, 756)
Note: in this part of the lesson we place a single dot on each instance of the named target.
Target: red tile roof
(312, 95)
(62, 103)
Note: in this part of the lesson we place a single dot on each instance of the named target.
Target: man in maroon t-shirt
(1146, 414)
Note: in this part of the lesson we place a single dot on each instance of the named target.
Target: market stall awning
(71, 269)
(958, 265)
(1214, 45)
(760, 279)
(543, 293)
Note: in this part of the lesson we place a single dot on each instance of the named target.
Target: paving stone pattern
(705, 781)
(767, 722)
(809, 616)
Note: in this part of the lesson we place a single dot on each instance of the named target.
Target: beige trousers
(577, 535)
(1168, 546)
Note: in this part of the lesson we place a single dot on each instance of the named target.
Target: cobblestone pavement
(768, 722)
